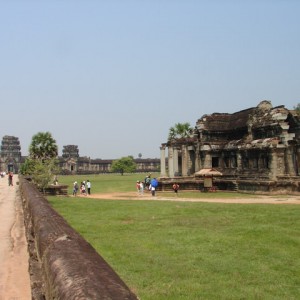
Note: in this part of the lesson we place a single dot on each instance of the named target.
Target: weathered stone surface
(71, 268)
(257, 145)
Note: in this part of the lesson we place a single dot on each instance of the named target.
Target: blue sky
(113, 76)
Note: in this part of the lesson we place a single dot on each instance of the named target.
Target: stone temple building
(70, 162)
(10, 154)
(255, 149)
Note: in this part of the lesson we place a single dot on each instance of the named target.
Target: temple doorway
(10, 168)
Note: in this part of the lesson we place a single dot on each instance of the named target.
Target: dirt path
(285, 199)
(14, 275)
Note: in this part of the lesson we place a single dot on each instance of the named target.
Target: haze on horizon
(113, 76)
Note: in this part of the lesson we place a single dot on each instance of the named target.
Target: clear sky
(113, 76)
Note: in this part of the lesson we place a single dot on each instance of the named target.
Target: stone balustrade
(62, 264)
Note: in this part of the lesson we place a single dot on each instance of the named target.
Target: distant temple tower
(10, 155)
(70, 156)
(70, 151)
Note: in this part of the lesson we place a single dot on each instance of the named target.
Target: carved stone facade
(72, 163)
(10, 155)
(259, 144)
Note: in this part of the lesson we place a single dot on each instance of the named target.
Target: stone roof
(225, 121)
(261, 116)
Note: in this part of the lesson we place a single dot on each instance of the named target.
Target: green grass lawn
(106, 183)
(188, 250)
(109, 183)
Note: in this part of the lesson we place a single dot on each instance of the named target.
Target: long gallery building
(70, 161)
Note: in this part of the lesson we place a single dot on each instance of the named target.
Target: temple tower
(10, 156)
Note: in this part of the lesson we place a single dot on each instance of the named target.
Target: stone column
(191, 160)
(175, 160)
(298, 160)
(207, 160)
(162, 161)
(281, 167)
(273, 165)
(239, 161)
(205, 151)
(289, 161)
(197, 160)
(170, 162)
(184, 161)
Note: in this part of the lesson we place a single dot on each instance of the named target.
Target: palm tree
(43, 146)
(180, 130)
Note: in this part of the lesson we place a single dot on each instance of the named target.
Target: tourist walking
(82, 188)
(153, 186)
(147, 181)
(141, 189)
(75, 188)
(175, 188)
(88, 185)
(137, 186)
(10, 179)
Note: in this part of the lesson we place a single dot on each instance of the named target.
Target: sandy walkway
(14, 275)
(285, 199)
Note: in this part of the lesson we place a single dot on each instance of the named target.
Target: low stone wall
(282, 185)
(62, 264)
(270, 187)
(57, 190)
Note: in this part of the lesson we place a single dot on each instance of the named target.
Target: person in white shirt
(88, 184)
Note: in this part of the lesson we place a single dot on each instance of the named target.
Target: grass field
(106, 183)
(190, 250)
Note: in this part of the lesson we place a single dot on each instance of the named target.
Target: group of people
(84, 188)
(151, 185)
(148, 185)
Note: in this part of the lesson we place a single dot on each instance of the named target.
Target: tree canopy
(124, 165)
(180, 130)
(43, 146)
(42, 163)
(297, 108)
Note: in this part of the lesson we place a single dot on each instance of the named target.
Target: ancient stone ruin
(10, 155)
(70, 162)
(256, 149)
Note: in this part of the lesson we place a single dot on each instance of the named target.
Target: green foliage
(42, 163)
(189, 250)
(44, 172)
(27, 168)
(124, 165)
(180, 130)
(43, 146)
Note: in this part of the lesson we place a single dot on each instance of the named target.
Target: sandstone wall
(62, 264)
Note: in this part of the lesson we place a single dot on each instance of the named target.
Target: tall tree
(43, 146)
(180, 130)
(42, 162)
(124, 165)
(297, 108)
